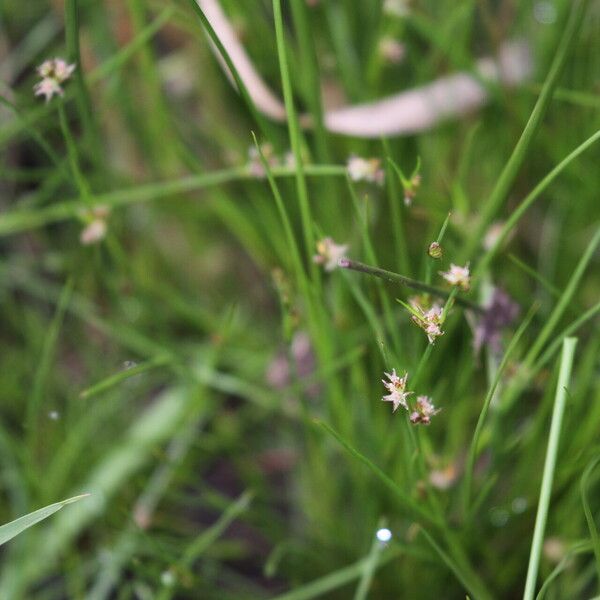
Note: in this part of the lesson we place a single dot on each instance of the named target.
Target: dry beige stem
(401, 114)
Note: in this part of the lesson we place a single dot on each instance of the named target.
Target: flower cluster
(398, 396)
(365, 169)
(458, 276)
(429, 320)
(53, 72)
(424, 410)
(329, 253)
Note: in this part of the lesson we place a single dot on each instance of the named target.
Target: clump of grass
(198, 340)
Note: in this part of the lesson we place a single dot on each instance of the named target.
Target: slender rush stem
(566, 363)
(472, 455)
(392, 277)
(295, 136)
(506, 179)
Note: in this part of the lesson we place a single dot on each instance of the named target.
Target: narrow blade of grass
(202, 542)
(334, 580)
(472, 455)
(409, 504)
(21, 220)
(14, 528)
(116, 378)
(370, 565)
(566, 363)
(589, 515)
(516, 214)
(507, 177)
(295, 137)
(40, 377)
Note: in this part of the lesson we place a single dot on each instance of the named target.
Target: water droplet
(384, 534)
(519, 505)
(544, 13)
(499, 516)
(54, 415)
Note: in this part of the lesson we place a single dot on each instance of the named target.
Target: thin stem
(21, 220)
(516, 215)
(484, 410)
(294, 133)
(566, 363)
(392, 277)
(509, 173)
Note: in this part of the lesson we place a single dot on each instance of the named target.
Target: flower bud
(435, 250)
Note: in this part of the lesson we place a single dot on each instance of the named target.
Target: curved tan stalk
(404, 113)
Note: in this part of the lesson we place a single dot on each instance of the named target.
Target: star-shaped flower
(365, 169)
(53, 72)
(329, 253)
(458, 276)
(396, 386)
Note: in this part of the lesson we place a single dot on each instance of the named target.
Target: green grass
(214, 390)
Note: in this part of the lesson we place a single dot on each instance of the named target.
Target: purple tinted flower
(501, 312)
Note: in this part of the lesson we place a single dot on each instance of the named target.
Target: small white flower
(329, 253)
(96, 228)
(396, 386)
(365, 169)
(53, 72)
(391, 50)
(458, 276)
(93, 232)
(48, 88)
(424, 410)
(62, 70)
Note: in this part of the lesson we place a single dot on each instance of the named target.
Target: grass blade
(589, 516)
(294, 133)
(519, 154)
(566, 363)
(14, 528)
(411, 506)
(472, 455)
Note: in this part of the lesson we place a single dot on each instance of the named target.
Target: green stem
(484, 411)
(294, 133)
(516, 215)
(22, 220)
(519, 154)
(392, 277)
(566, 363)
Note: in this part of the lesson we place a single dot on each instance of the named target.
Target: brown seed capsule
(435, 250)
